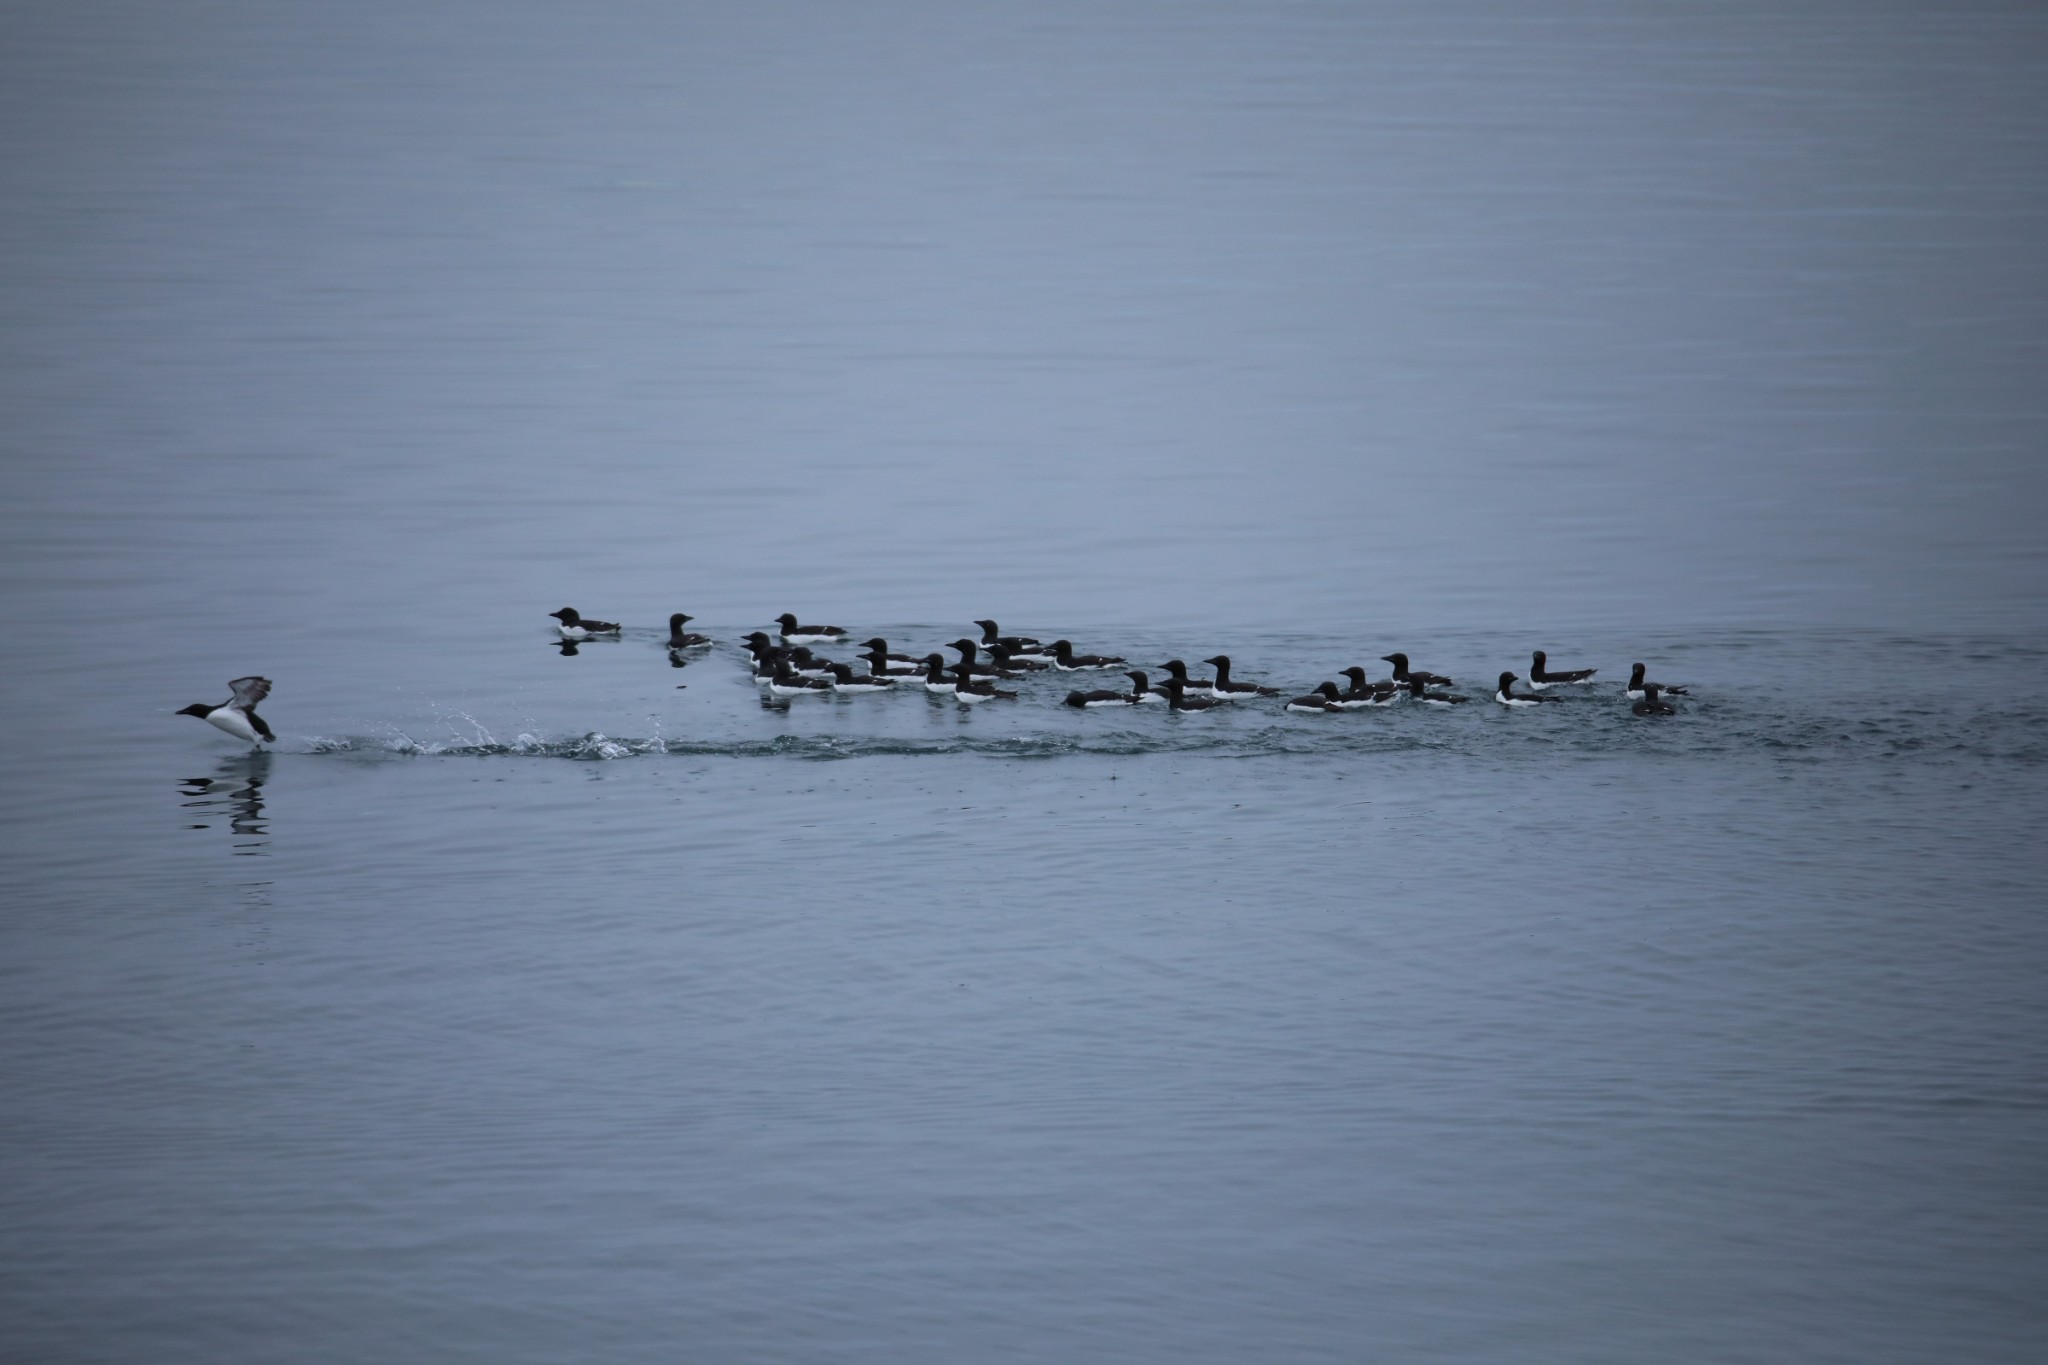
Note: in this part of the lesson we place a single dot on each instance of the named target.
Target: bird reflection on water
(236, 791)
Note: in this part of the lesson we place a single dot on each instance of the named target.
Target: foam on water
(1578, 727)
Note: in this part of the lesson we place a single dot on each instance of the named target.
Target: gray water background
(524, 1007)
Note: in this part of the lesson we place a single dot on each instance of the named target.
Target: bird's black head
(1218, 660)
(1355, 673)
(679, 620)
(1399, 661)
(988, 626)
(787, 620)
(877, 643)
(1505, 679)
(567, 616)
(1539, 657)
(1139, 680)
(1650, 691)
(197, 708)
(1328, 689)
(1175, 667)
(967, 647)
(1635, 674)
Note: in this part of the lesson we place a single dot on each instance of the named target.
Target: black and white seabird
(1637, 686)
(1415, 690)
(844, 679)
(794, 634)
(237, 715)
(1177, 697)
(1110, 697)
(1404, 674)
(1224, 689)
(1005, 657)
(678, 638)
(788, 683)
(1541, 677)
(968, 649)
(574, 627)
(880, 646)
(1650, 705)
(1067, 661)
(1016, 644)
(1142, 690)
(1505, 693)
(1324, 698)
(1193, 687)
(808, 665)
(766, 654)
(883, 664)
(1363, 693)
(935, 679)
(970, 690)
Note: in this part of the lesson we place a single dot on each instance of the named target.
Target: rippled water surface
(530, 1005)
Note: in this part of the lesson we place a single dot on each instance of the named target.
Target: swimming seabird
(574, 627)
(1193, 687)
(1005, 657)
(883, 664)
(788, 683)
(968, 689)
(766, 655)
(968, 649)
(808, 665)
(794, 634)
(1226, 690)
(1403, 674)
(678, 638)
(1177, 697)
(1651, 706)
(935, 679)
(1324, 698)
(844, 679)
(1636, 685)
(1363, 693)
(1505, 693)
(1067, 661)
(1416, 691)
(1541, 677)
(1110, 697)
(1016, 644)
(880, 646)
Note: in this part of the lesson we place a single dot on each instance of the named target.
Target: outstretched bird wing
(249, 691)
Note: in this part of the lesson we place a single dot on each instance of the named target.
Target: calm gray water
(522, 1007)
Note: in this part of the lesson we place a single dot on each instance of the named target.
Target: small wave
(593, 747)
(1706, 728)
(1789, 741)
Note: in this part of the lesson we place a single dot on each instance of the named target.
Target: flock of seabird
(785, 667)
